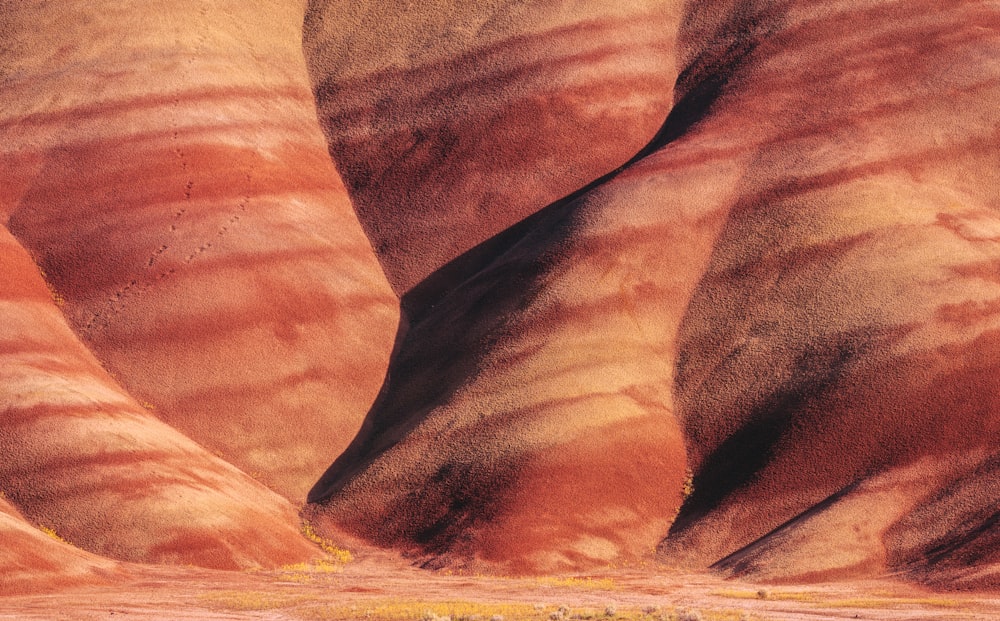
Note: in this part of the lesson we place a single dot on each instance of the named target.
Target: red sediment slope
(768, 344)
(81, 457)
(31, 561)
(451, 121)
(164, 165)
(839, 358)
(797, 280)
(525, 422)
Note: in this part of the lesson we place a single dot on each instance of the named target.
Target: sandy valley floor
(381, 588)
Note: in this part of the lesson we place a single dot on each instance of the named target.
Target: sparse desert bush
(59, 300)
(245, 601)
(321, 566)
(471, 611)
(688, 488)
(684, 614)
(588, 583)
(340, 555)
(788, 596)
(304, 573)
(52, 534)
(421, 611)
(889, 602)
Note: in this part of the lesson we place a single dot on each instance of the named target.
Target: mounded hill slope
(31, 561)
(839, 359)
(452, 120)
(81, 457)
(163, 163)
(790, 296)
(792, 292)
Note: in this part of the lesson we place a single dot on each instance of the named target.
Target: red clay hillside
(499, 288)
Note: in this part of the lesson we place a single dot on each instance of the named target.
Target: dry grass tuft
(590, 584)
(787, 596)
(878, 602)
(305, 573)
(473, 611)
(245, 601)
(419, 611)
(339, 555)
(52, 534)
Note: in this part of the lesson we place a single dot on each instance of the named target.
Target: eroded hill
(709, 282)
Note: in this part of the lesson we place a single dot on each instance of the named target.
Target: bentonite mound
(839, 360)
(769, 343)
(451, 120)
(82, 458)
(31, 561)
(800, 271)
(163, 163)
(523, 425)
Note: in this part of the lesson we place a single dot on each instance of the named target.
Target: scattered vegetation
(595, 584)
(321, 566)
(52, 534)
(307, 608)
(304, 573)
(245, 601)
(688, 487)
(420, 611)
(877, 600)
(59, 300)
(338, 554)
(472, 611)
(788, 596)
(929, 602)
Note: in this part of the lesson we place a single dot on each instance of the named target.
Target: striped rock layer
(838, 371)
(81, 457)
(767, 344)
(163, 164)
(792, 292)
(450, 121)
(31, 561)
